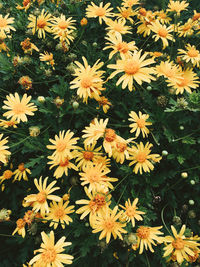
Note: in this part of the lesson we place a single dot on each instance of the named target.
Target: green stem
(163, 221)
(122, 193)
(148, 263)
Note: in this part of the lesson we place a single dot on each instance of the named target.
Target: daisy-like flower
(156, 54)
(119, 46)
(25, 5)
(196, 16)
(50, 253)
(107, 223)
(62, 145)
(48, 57)
(139, 123)
(188, 80)
(109, 140)
(6, 176)
(130, 3)
(5, 26)
(146, 236)
(20, 229)
(169, 70)
(41, 23)
(28, 47)
(162, 32)
(125, 13)
(117, 26)
(140, 155)
(144, 27)
(21, 172)
(120, 150)
(59, 214)
(104, 103)
(4, 153)
(162, 17)
(18, 109)
(177, 6)
(186, 29)
(102, 12)
(86, 157)
(88, 80)
(98, 201)
(180, 246)
(95, 176)
(94, 131)
(134, 67)
(191, 54)
(45, 193)
(62, 166)
(104, 161)
(131, 212)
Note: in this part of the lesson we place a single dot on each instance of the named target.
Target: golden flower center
(18, 108)
(88, 155)
(143, 232)
(3, 22)
(64, 163)
(110, 135)
(141, 157)
(7, 174)
(86, 82)
(121, 147)
(123, 47)
(193, 53)
(41, 197)
(20, 223)
(21, 167)
(59, 213)
(100, 11)
(169, 73)
(131, 67)
(141, 123)
(49, 255)
(143, 11)
(28, 217)
(183, 82)
(97, 203)
(118, 27)
(196, 16)
(187, 27)
(157, 54)
(26, 44)
(109, 224)
(41, 23)
(130, 211)
(94, 178)
(162, 32)
(26, 2)
(61, 145)
(178, 243)
(162, 15)
(63, 25)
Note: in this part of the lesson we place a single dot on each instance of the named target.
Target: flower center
(130, 211)
(187, 27)
(121, 147)
(141, 123)
(61, 145)
(178, 243)
(97, 203)
(109, 225)
(49, 255)
(63, 25)
(143, 11)
(20, 223)
(26, 2)
(196, 16)
(193, 53)
(41, 23)
(122, 47)
(183, 82)
(141, 157)
(131, 67)
(100, 11)
(162, 32)
(86, 82)
(88, 155)
(143, 232)
(110, 135)
(126, 13)
(21, 167)
(64, 163)
(41, 197)
(59, 213)
(7, 174)
(18, 108)
(3, 22)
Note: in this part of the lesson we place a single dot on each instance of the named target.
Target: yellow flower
(63, 166)
(134, 67)
(190, 55)
(95, 176)
(88, 80)
(102, 12)
(104, 103)
(25, 5)
(162, 32)
(117, 45)
(140, 155)
(177, 6)
(188, 80)
(120, 150)
(107, 223)
(146, 236)
(62, 145)
(50, 253)
(21, 172)
(94, 131)
(98, 201)
(131, 212)
(180, 246)
(5, 26)
(58, 214)
(40, 23)
(169, 70)
(117, 26)
(18, 109)
(162, 17)
(40, 199)
(130, 3)
(109, 140)
(48, 57)
(125, 13)
(4, 153)
(28, 47)
(186, 29)
(6, 176)
(20, 229)
(140, 123)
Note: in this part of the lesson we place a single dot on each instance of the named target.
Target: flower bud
(149, 88)
(34, 131)
(84, 22)
(181, 127)
(75, 105)
(177, 220)
(191, 202)
(191, 214)
(184, 175)
(164, 152)
(41, 99)
(192, 182)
